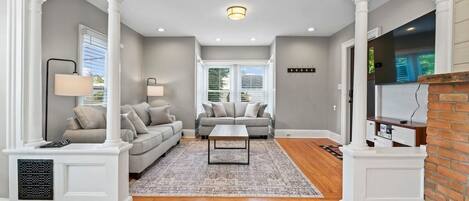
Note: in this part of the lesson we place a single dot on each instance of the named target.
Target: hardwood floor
(323, 170)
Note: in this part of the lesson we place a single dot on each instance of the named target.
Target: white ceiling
(206, 19)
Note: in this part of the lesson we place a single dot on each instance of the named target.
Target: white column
(360, 75)
(444, 36)
(113, 83)
(33, 91)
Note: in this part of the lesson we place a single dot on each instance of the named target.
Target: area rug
(185, 172)
(334, 150)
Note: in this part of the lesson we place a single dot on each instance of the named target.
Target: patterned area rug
(185, 172)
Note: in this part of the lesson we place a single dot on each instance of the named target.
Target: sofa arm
(267, 115)
(202, 115)
(94, 135)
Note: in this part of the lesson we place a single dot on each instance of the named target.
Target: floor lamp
(67, 85)
(153, 89)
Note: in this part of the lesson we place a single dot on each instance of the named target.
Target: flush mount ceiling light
(311, 29)
(411, 29)
(253, 39)
(218, 39)
(236, 12)
(161, 29)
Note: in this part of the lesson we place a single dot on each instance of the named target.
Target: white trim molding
(307, 133)
(372, 34)
(444, 36)
(189, 133)
(4, 199)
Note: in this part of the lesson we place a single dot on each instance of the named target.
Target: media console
(389, 132)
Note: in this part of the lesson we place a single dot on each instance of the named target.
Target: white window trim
(81, 29)
(235, 66)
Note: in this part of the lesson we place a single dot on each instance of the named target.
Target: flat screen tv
(404, 54)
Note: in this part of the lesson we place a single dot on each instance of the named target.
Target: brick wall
(447, 165)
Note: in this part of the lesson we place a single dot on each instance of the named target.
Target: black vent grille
(35, 179)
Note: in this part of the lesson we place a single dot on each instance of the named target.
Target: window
(232, 83)
(92, 60)
(219, 84)
(252, 84)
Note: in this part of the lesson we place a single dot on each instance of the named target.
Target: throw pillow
(208, 109)
(142, 112)
(136, 121)
(219, 110)
(229, 109)
(160, 115)
(261, 110)
(90, 117)
(127, 124)
(252, 109)
(240, 109)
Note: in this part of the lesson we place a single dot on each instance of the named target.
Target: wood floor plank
(319, 166)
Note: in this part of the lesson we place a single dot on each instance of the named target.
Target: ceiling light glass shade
(155, 91)
(73, 85)
(236, 12)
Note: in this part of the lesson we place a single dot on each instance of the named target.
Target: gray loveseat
(259, 126)
(147, 147)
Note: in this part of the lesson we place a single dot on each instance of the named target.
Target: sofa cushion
(229, 108)
(217, 120)
(252, 109)
(146, 142)
(91, 117)
(252, 121)
(142, 112)
(176, 126)
(219, 109)
(160, 115)
(261, 110)
(208, 109)
(240, 109)
(166, 132)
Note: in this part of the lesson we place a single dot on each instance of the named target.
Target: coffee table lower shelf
(247, 144)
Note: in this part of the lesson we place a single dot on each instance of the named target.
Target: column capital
(360, 1)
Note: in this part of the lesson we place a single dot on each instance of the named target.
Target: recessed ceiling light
(311, 29)
(253, 39)
(161, 29)
(410, 29)
(218, 39)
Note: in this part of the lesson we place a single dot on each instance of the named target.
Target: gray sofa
(146, 149)
(257, 126)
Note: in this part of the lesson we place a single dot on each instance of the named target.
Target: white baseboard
(303, 133)
(4, 199)
(189, 133)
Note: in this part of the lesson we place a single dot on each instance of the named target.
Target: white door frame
(372, 34)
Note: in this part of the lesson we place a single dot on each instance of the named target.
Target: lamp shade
(73, 85)
(155, 90)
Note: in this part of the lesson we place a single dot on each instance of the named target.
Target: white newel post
(443, 36)
(33, 70)
(360, 75)
(113, 72)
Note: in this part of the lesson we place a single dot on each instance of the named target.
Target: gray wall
(60, 40)
(301, 98)
(398, 101)
(172, 61)
(3, 96)
(235, 52)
